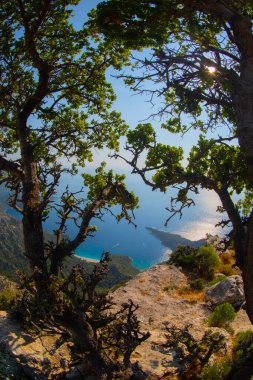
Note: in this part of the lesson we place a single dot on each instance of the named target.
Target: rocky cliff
(159, 293)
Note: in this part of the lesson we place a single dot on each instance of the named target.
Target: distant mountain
(172, 241)
(12, 257)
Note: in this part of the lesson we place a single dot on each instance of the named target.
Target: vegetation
(13, 259)
(243, 347)
(207, 261)
(198, 69)
(202, 261)
(216, 280)
(7, 297)
(190, 355)
(222, 316)
(56, 107)
(217, 371)
(172, 241)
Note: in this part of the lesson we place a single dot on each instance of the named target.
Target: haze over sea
(144, 249)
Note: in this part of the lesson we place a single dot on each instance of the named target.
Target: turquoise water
(144, 249)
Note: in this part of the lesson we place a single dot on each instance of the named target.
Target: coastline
(87, 259)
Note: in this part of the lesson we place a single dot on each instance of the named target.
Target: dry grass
(227, 264)
(187, 293)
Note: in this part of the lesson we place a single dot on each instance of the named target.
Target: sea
(135, 241)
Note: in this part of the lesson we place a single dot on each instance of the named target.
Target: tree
(55, 106)
(200, 62)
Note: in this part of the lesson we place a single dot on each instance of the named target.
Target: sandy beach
(87, 259)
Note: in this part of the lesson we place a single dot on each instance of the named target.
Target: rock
(42, 357)
(229, 290)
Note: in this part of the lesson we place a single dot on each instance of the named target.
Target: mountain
(12, 257)
(172, 241)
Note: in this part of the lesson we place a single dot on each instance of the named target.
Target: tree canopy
(55, 108)
(55, 112)
(197, 64)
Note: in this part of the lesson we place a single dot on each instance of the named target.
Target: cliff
(12, 257)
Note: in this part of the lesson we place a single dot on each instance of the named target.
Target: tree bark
(247, 272)
(32, 220)
(243, 101)
(238, 228)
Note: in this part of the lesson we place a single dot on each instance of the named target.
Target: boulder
(229, 290)
(42, 357)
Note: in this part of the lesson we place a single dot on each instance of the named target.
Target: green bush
(217, 371)
(6, 297)
(243, 347)
(197, 284)
(207, 261)
(216, 280)
(203, 260)
(184, 257)
(222, 315)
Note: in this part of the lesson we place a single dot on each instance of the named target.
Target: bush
(207, 261)
(216, 280)
(243, 347)
(227, 269)
(222, 315)
(184, 257)
(6, 297)
(217, 371)
(203, 260)
(197, 284)
(190, 355)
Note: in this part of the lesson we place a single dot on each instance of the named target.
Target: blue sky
(134, 109)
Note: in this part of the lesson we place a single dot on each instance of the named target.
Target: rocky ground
(156, 291)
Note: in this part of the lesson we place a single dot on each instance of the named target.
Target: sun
(211, 69)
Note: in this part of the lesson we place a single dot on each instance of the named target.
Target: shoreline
(87, 259)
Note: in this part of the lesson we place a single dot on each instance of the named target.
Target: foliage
(6, 298)
(103, 337)
(195, 74)
(183, 256)
(197, 284)
(217, 371)
(243, 347)
(222, 315)
(207, 261)
(202, 261)
(189, 354)
(216, 280)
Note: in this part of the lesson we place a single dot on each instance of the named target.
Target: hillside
(172, 241)
(12, 258)
(157, 291)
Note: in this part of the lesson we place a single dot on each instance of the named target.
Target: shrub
(203, 260)
(217, 371)
(190, 355)
(197, 284)
(207, 261)
(227, 269)
(222, 315)
(216, 280)
(184, 257)
(243, 347)
(6, 297)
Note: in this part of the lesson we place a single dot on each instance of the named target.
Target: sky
(134, 109)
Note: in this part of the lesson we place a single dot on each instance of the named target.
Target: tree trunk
(243, 101)
(238, 228)
(247, 272)
(32, 220)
